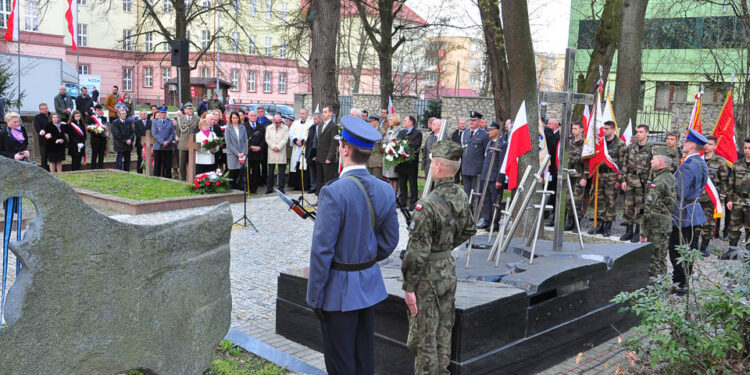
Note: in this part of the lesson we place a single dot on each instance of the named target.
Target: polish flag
(586, 118)
(391, 108)
(713, 194)
(519, 143)
(11, 33)
(627, 135)
(72, 17)
(589, 140)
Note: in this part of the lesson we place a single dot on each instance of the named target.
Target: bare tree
(628, 90)
(493, 35)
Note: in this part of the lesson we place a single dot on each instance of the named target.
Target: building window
(252, 44)
(5, 8)
(168, 6)
(668, 93)
(127, 79)
(236, 6)
(204, 39)
(253, 8)
(235, 42)
(282, 83)
(148, 42)
(268, 46)
(83, 35)
(32, 15)
(283, 11)
(282, 51)
(127, 44)
(83, 69)
(267, 82)
(165, 45)
(206, 4)
(81, 2)
(235, 80)
(165, 76)
(269, 9)
(148, 76)
(204, 72)
(472, 79)
(251, 81)
(127, 6)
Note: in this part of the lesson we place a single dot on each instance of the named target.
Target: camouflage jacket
(441, 222)
(739, 184)
(637, 164)
(574, 159)
(676, 157)
(719, 173)
(617, 151)
(659, 203)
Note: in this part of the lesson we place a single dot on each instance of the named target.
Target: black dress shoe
(483, 225)
(269, 191)
(412, 207)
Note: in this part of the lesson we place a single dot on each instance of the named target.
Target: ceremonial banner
(724, 131)
(519, 143)
(627, 135)
(695, 116)
(713, 194)
(391, 108)
(586, 119)
(589, 141)
(11, 33)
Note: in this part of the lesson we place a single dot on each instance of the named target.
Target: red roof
(349, 9)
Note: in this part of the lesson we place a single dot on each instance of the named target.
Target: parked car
(229, 108)
(272, 109)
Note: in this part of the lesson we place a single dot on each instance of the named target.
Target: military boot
(598, 228)
(628, 233)
(704, 246)
(636, 234)
(569, 225)
(607, 230)
(731, 253)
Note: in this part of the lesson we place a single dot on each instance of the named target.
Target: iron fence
(424, 109)
(659, 123)
(345, 105)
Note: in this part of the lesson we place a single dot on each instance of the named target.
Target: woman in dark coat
(54, 134)
(76, 140)
(14, 143)
(123, 137)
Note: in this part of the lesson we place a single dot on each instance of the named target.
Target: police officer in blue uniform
(163, 133)
(356, 226)
(494, 188)
(474, 141)
(692, 176)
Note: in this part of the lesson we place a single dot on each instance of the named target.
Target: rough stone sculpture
(98, 296)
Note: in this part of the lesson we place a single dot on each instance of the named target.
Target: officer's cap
(447, 150)
(187, 105)
(162, 108)
(474, 115)
(493, 125)
(358, 132)
(287, 118)
(696, 137)
(373, 118)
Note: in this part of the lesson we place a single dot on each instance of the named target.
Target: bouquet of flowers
(97, 129)
(209, 145)
(211, 182)
(397, 151)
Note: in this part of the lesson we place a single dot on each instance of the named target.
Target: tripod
(244, 220)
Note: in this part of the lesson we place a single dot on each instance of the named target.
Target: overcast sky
(549, 20)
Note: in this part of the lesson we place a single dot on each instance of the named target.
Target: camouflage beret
(447, 150)
(661, 150)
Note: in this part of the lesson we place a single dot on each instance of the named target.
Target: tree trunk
(627, 95)
(493, 34)
(323, 35)
(385, 51)
(605, 45)
(522, 68)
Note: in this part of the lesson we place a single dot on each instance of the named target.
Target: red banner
(724, 131)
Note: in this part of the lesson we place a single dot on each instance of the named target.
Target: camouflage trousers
(738, 218)
(606, 209)
(430, 331)
(633, 204)
(658, 265)
(578, 196)
(706, 231)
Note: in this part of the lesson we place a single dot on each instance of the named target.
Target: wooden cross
(192, 147)
(148, 146)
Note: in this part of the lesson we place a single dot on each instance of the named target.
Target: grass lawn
(126, 185)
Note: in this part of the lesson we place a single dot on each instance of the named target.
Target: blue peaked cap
(697, 137)
(358, 132)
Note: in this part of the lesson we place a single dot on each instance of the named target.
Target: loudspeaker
(180, 52)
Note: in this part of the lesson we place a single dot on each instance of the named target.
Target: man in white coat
(277, 136)
(297, 137)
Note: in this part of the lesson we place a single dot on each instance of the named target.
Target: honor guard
(608, 181)
(442, 221)
(636, 168)
(355, 227)
(577, 175)
(691, 177)
(738, 194)
(718, 170)
(658, 205)
(673, 151)
(474, 141)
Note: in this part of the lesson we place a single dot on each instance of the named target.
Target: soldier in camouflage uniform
(609, 181)
(673, 151)
(658, 205)
(718, 171)
(441, 222)
(738, 194)
(636, 168)
(578, 176)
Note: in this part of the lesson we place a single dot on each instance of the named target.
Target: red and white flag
(519, 143)
(391, 108)
(586, 118)
(72, 17)
(11, 33)
(713, 194)
(594, 121)
(627, 135)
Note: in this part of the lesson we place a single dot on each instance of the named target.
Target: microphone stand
(244, 220)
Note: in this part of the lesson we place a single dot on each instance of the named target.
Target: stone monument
(98, 296)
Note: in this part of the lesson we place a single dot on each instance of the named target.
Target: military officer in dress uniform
(691, 176)
(718, 171)
(636, 168)
(441, 222)
(186, 126)
(578, 177)
(660, 202)
(474, 141)
(356, 226)
(494, 188)
(738, 195)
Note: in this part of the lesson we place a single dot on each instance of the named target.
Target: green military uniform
(676, 155)
(718, 171)
(575, 149)
(635, 171)
(441, 222)
(607, 194)
(216, 104)
(738, 193)
(656, 222)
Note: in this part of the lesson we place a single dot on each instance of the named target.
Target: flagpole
(18, 42)
(596, 196)
(78, 55)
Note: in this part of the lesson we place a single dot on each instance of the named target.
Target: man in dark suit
(552, 137)
(328, 164)
(495, 150)
(456, 137)
(140, 127)
(256, 139)
(85, 104)
(311, 148)
(40, 123)
(407, 171)
(474, 141)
